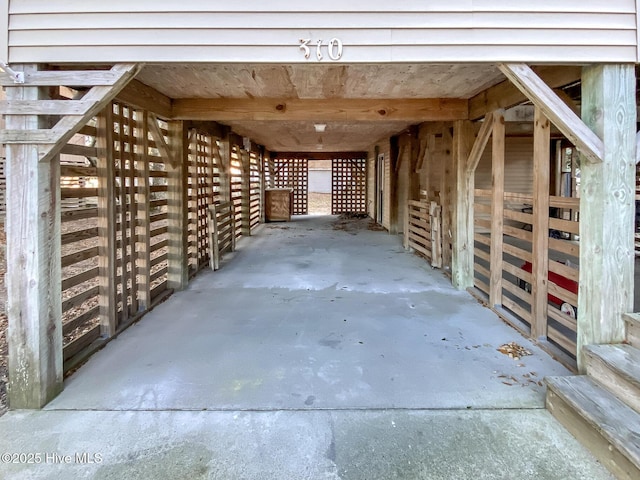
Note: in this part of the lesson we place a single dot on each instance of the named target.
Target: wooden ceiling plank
(325, 110)
(554, 108)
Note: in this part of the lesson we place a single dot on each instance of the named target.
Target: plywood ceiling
(318, 81)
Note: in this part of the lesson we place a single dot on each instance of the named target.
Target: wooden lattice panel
(236, 186)
(203, 183)
(348, 186)
(255, 183)
(293, 173)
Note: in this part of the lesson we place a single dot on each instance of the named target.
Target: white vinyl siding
(372, 31)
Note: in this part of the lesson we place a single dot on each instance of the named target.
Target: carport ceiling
(357, 83)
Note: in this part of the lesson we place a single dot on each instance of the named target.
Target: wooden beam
(555, 110)
(265, 109)
(447, 195)
(497, 210)
(143, 206)
(480, 144)
(540, 248)
(45, 107)
(506, 95)
(463, 243)
(33, 277)
(158, 137)
(69, 78)
(607, 207)
(139, 95)
(178, 208)
(106, 224)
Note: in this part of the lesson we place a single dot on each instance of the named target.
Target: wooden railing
(423, 230)
(550, 309)
(222, 234)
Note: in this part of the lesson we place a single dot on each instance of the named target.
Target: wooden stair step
(632, 321)
(617, 368)
(599, 420)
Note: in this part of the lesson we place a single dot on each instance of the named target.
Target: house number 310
(334, 48)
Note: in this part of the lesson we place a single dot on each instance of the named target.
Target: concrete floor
(313, 353)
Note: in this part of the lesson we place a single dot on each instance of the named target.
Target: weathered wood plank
(540, 234)
(463, 231)
(45, 107)
(76, 346)
(480, 143)
(80, 278)
(497, 208)
(177, 207)
(617, 368)
(78, 235)
(33, 266)
(71, 78)
(98, 97)
(607, 207)
(139, 95)
(506, 95)
(589, 144)
(143, 224)
(605, 425)
(632, 323)
(326, 110)
(80, 298)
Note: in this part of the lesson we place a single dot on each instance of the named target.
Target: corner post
(607, 207)
(33, 264)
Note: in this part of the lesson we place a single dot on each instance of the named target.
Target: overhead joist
(137, 94)
(506, 95)
(555, 109)
(268, 109)
(51, 141)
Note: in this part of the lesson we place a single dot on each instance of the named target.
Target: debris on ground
(375, 227)
(513, 350)
(351, 222)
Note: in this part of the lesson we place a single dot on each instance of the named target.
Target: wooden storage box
(278, 204)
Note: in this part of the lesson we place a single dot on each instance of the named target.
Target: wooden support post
(607, 207)
(394, 158)
(447, 195)
(261, 166)
(178, 208)
(435, 214)
(106, 223)
(225, 169)
(540, 248)
(497, 209)
(245, 159)
(463, 243)
(142, 226)
(33, 265)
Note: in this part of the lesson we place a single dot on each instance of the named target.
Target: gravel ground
(319, 203)
(3, 325)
